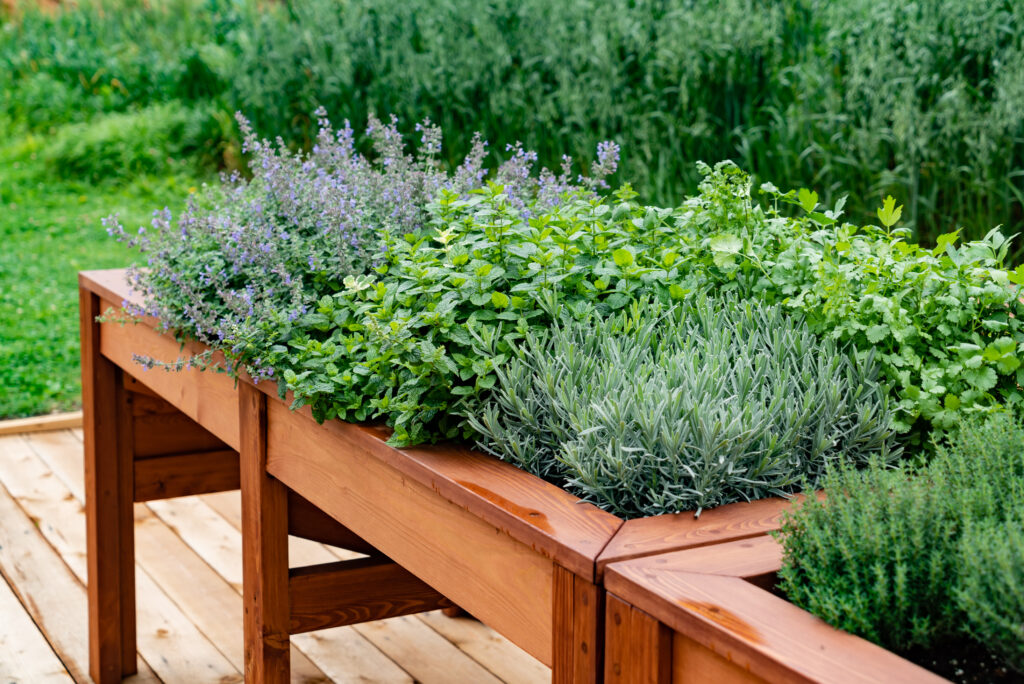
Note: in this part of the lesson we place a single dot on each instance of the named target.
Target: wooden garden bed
(440, 524)
(708, 615)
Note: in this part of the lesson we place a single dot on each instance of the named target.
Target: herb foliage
(891, 555)
(658, 410)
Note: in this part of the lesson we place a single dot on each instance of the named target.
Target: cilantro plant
(657, 410)
(945, 324)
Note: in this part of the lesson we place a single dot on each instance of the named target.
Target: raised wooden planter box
(441, 524)
(708, 615)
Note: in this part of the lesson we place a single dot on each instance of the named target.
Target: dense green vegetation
(50, 229)
(919, 557)
(383, 287)
(685, 407)
(864, 97)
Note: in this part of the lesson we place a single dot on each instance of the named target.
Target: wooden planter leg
(638, 648)
(578, 614)
(107, 425)
(264, 548)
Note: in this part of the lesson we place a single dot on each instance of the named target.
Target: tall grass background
(924, 100)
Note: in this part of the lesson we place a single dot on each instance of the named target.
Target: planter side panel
(496, 578)
(208, 398)
(693, 663)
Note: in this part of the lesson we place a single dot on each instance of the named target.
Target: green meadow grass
(49, 230)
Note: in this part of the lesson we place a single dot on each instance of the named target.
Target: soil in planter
(966, 662)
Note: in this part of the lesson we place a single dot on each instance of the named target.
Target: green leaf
(622, 257)
(877, 333)
(943, 241)
(499, 300)
(982, 378)
(726, 242)
(889, 214)
(808, 199)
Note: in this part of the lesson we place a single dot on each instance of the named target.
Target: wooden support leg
(638, 648)
(107, 425)
(264, 549)
(578, 629)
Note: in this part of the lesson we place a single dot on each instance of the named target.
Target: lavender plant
(658, 410)
(247, 258)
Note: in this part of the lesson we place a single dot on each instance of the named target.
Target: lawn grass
(49, 230)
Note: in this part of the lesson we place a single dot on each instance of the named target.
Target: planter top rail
(581, 537)
(719, 597)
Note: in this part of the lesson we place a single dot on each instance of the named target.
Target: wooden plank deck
(189, 575)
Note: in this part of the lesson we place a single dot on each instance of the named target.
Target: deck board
(188, 567)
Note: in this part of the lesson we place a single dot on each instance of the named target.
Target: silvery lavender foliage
(246, 258)
(656, 411)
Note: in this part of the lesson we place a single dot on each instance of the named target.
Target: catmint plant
(248, 257)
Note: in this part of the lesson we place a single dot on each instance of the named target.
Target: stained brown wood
(752, 629)
(505, 583)
(354, 591)
(160, 428)
(309, 522)
(264, 550)
(166, 477)
(207, 397)
(577, 632)
(541, 515)
(679, 531)
(694, 664)
(108, 506)
(638, 648)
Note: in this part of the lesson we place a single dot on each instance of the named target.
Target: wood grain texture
(749, 627)
(692, 663)
(541, 515)
(25, 657)
(108, 505)
(638, 648)
(679, 531)
(58, 421)
(547, 518)
(160, 429)
(354, 591)
(309, 522)
(264, 550)
(207, 397)
(577, 632)
(480, 567)
(167, 640)
(166, 477)
(52, 596)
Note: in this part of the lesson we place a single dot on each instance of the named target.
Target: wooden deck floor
(189, 578)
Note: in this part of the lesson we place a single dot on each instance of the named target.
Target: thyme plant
(883, 555)
(656, 410)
